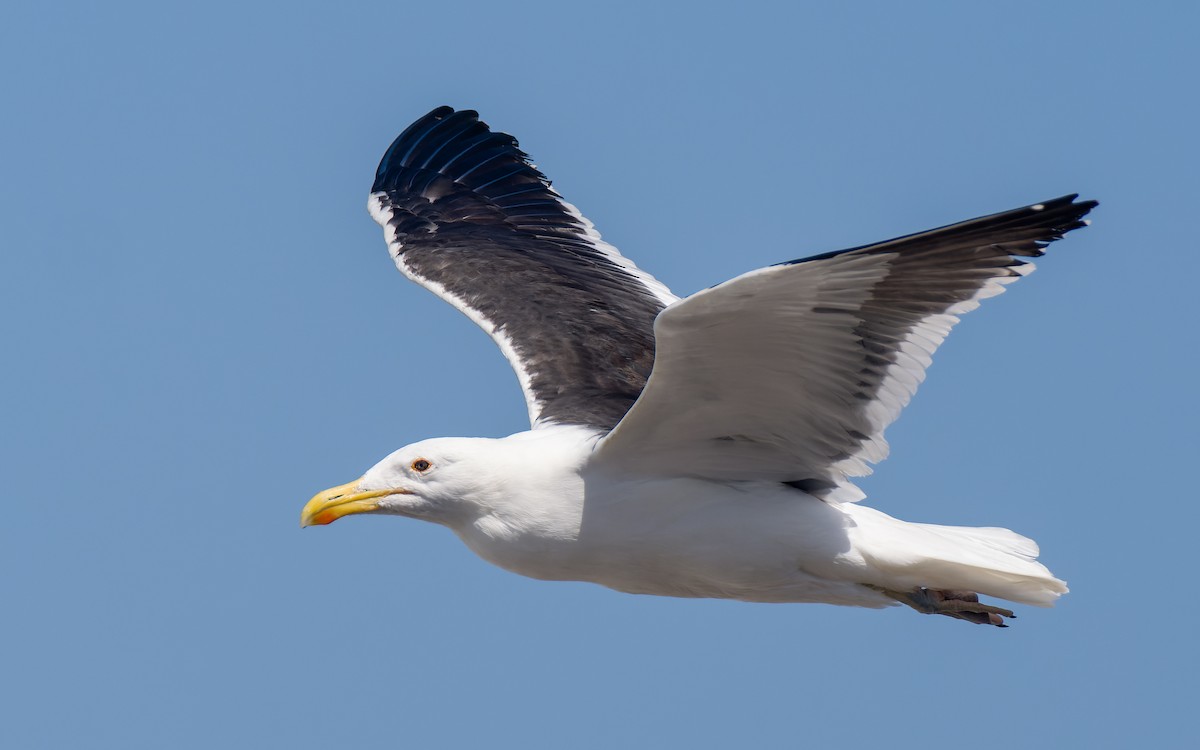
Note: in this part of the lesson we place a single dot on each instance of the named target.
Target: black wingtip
(1068, 202)
(1061, 215)
(1024, 231)
(474, 174)
(457, 145)
(414, 134)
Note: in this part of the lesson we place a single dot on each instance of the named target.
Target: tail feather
(1001, 540)
(991, 561)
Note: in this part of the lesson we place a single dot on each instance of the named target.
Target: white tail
(987, 560)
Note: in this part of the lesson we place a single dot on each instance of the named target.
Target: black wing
(467, 216)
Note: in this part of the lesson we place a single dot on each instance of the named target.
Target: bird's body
(697, 447)
(566, 516)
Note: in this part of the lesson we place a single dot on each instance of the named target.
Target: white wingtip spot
(1039, 207)
(1087, 222)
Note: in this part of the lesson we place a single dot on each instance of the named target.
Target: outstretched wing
(791, 373)
(469, 218)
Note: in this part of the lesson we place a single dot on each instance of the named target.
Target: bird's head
(432, 480)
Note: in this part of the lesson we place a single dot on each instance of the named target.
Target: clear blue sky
(201, 328)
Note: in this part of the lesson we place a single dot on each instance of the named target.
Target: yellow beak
(343, 500)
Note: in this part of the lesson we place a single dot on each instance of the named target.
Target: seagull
(689, 447)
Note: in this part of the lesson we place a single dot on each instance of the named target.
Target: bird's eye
(421, 465)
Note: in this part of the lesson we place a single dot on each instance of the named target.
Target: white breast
(674, 537)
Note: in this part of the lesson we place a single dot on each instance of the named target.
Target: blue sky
(202, 328)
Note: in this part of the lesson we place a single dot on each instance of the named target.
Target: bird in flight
(693, 447)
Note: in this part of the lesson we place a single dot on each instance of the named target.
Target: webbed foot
(961, 605)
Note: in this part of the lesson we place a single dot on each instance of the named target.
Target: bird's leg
(961, 605)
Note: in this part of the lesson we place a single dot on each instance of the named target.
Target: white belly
(684, 537)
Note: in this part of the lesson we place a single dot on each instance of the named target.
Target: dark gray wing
(791, 373)
(468, 217)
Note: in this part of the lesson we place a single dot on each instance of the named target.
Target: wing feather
(467, 216)
(793, 372)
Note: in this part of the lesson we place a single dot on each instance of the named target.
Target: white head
(442, 480)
